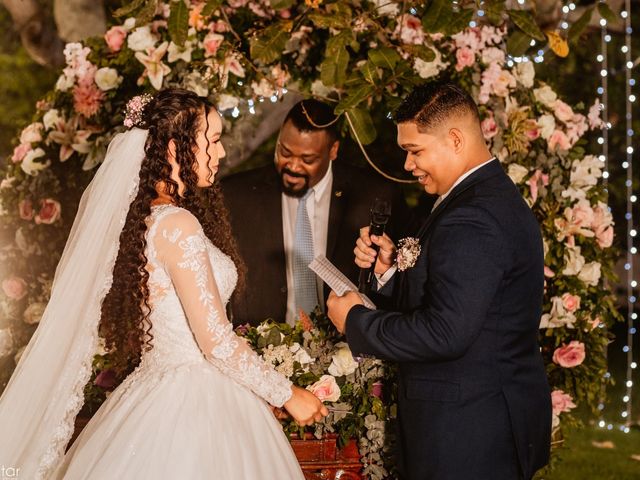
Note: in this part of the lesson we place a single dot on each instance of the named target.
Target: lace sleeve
(181, 247)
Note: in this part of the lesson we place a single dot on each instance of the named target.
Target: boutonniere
(408, 252)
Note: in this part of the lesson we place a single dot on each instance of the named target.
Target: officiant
(309, 202)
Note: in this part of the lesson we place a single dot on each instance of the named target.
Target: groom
(474, 402)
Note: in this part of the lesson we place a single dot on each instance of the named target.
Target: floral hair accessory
(134, 110)
(408, 252)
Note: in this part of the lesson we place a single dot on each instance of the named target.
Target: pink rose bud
(376, 389)
(115, 38)
(571, 355)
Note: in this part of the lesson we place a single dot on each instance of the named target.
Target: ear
(333, 152)
(456, 139)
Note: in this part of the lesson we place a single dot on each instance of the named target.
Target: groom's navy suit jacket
(474, 402)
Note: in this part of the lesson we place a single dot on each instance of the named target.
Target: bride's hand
(304, 407)
(365, 254)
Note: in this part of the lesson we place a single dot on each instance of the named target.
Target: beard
(290, 191)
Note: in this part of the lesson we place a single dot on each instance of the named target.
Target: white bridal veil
(45, 393)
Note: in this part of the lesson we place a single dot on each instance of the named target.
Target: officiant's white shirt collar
(459, 181)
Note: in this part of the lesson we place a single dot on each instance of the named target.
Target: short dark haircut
(312, 115)
(432, 104)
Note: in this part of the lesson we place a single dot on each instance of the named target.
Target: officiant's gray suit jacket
(474, 401)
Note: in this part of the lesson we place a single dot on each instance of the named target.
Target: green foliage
(178, 22)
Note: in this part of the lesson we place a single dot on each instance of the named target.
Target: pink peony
(561, 402)
(14, 287)
(49, 212)
(489, 127)
(326, 389)
(25, 207)
(571, 355)
(20, 152)
(465, 58)
(559, 139)
(87, 97)
(115, 37)
(571, 303)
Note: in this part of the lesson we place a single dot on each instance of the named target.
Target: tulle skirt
(188, 422)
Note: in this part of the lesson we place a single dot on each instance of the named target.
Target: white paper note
(336, 280)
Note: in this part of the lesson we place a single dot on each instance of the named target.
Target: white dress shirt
(386, 276)
(318, 205)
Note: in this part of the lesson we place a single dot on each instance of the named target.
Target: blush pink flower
(14, 287)
(20, 152)
(49, 212)
(537, 178)
(87, 97)
(569, 355)
(548, 272)
(571, 303)
(115, 37)
(211, 43)
(326, 389)
(604, 237)
(562, 111)
(25, 208)
(561, 402)
(410, 30)
(595, 121)
(465, 58)
(489, 127)
(560, 140)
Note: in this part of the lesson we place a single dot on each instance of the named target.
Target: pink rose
(14, 287)
(582, 214)
(211, 43)
(20, 152)
(559, 139)
(489, 127)
(49, 212)
(561, 402)
(326, 389)
(562, 110)
(604, 237)
(571, 355)
(25, 207)
(570, 302)
(465, 57)
(115, 38)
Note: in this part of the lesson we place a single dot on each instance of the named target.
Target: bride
(150, 264)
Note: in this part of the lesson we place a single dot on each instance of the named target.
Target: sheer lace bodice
(190, 283)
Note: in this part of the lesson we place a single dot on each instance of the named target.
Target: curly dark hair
(178, 115)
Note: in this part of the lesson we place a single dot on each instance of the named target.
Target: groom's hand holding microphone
(365, 256)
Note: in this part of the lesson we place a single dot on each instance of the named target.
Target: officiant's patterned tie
(303, 278)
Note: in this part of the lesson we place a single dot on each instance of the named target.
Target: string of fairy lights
(630, 282)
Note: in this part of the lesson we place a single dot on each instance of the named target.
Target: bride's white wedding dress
(185, 414)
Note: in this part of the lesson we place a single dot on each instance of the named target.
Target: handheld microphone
(380, 213)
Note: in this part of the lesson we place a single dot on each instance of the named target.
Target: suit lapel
(337, 208)
(274, 241)
(488, 171)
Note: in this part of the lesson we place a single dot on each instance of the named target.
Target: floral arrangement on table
(358, 391)
(361, 56)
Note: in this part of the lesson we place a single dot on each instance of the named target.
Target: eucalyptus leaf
(354, 98)
(578, 27)
(128, 9)
(267, 46)
(518, 43)
(210, 7)
(525, 22)
(362, 127)
(178, 23)
(605, 12)
(384, 57)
